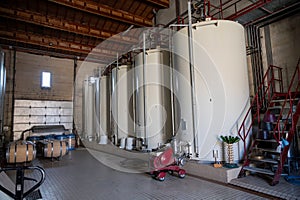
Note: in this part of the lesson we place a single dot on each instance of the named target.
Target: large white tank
(153, 121)
(121, 100)
(221, 85)
(89, 112)
(104, 119)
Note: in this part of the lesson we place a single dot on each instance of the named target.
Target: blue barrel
(71, 139)
(33, 139)
(60, 137)
(49, 137)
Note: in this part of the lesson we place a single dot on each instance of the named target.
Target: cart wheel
(161, 176)
(181, 173)
(153, 174)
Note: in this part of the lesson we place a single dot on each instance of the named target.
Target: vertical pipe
(2, 92)
(192, 74)
(136, 102)
(74, 93)
(110, 89)
(97, 105)
(172, 82)
(2, 89)
(259, 63)
(133, 95)
(177, 8)
(144, 90)
(117, 102)
(13, 95)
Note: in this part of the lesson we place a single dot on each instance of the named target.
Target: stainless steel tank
(104, 119)
(121, 103)
(221, 92)
(153, 121)
(89, 111)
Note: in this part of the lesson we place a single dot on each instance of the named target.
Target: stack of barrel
(20, 152)
(49, 146)
(53, 146)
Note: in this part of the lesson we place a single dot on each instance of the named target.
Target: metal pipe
(177, 8)
(275, 16)
(74, 91)
(2, 92)
(192, 74)
(97, 104)
(111, 126)
(171, 57)
(144, 90)
(117, 101)
(13, 93)
(178, 25)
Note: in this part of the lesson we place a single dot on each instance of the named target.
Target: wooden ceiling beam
(55, 43)
(61, 24)
(160, 3)
(105, 11)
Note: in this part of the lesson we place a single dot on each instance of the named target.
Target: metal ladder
(267, 155)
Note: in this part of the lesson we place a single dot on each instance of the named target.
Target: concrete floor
(80, 176)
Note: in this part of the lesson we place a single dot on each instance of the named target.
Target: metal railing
(290, 96)
(238, 10)
(268, 89)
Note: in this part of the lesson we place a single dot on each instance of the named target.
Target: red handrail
(232, 4)
(288, 98)
(268, 94)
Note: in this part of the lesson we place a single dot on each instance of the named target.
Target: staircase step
(265, 160)
(267, 150)
(259, 170)
(282, 100)
(278, 131)
(285, 118)
(279, 107)
(270, 140)
(282, 122)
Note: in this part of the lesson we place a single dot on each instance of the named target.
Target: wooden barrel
(34, 139)
(20, 152)
(60, 137)
(49, 137)
(55, 149)
(71, 141)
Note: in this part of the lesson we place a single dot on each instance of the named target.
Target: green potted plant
(230, 140)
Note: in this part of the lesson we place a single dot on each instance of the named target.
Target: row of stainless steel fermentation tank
(159, 97)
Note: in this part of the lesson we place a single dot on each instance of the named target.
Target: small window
(46, 80)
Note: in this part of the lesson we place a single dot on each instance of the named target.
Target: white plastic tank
(104, 119)
(121, 102)
(221, 85)
(89, 112)
(153, 121)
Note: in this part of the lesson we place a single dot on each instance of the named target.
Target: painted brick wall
(29, 68)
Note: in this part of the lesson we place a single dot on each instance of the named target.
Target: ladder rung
(279, 107)
(278, 131)
(282, 100)
(266, 160)
(259, 170)
(262, 140)
(268, 150)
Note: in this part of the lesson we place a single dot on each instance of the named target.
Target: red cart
(163, 162)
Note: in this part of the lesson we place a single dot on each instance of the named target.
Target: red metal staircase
(270, 137)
